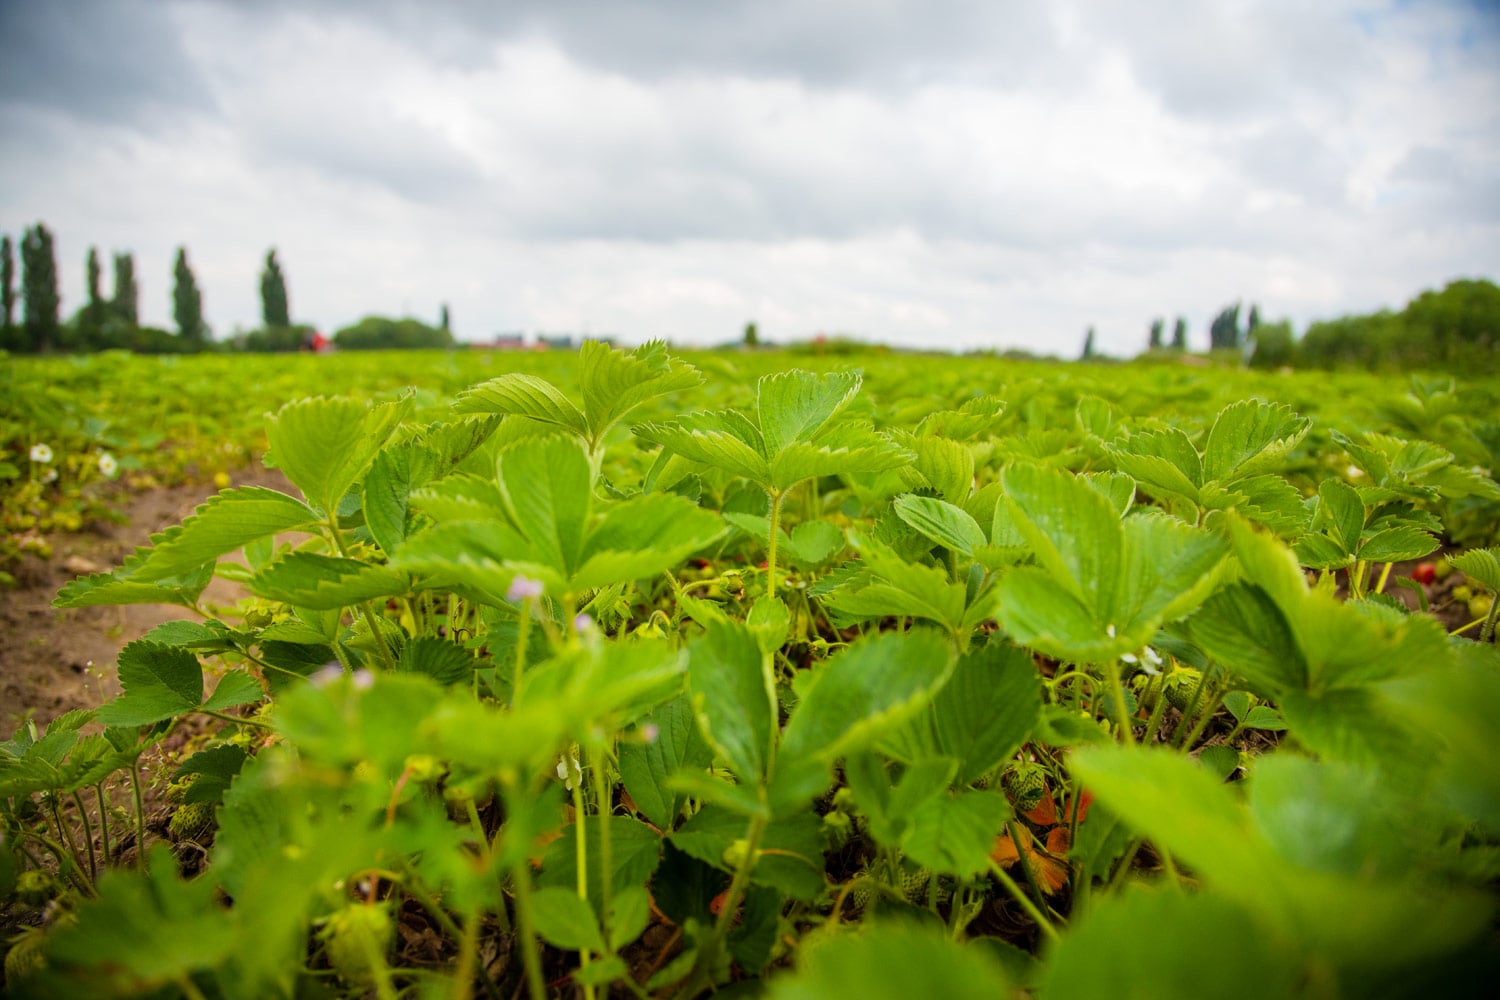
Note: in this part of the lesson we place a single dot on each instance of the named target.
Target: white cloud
(947, 177)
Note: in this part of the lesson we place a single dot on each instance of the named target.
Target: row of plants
(833, 684)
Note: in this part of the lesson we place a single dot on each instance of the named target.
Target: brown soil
(55, 660)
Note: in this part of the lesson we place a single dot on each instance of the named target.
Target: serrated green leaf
(865, 690)
(565, 920)
(635, 851)
(793, 406)
(235, 689)
(940, 521)
(325, 445)
(954, 834)
(159, 682)
(523, 395)
(546, 489)
(1397, 544)
(1480, 564)
(1073, 531)
(614, 382)
(945, 465)
(848, 453)
(1164, 462)
(893, 961)
(646, 766)
(438, 658)
(323, 583)
(220, 525)
(731, 697)
(1249, 437)
(394, 473)
(642, 537)
(109, 589)
(723, 440)
(813, 543)
(793, 848)
(1243, 629)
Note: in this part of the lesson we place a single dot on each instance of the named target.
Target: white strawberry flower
(107, 464)
(41, 454)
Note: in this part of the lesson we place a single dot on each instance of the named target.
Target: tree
(273, 302)
(7, 289)
(1224, 331)
(187, 301)
(1253, 321)
(1088, 345)
(752, 335)
(1157, 325)
(443, 319)
(1179, 334)
(92, 318)
(1274, 346)
(39, 298)
(379, 333)
(125, 304)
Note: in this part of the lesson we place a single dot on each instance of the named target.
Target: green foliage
(273, 300)
(39, 296)
(518, 690)
(380, 333)
(187, 301)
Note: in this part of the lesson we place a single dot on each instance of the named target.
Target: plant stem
(776, 498)
(64, 832)
(604, 807)
(523, 636)
(103, 821)
(468, 957)
(88, 834)
(1023, 900)
(1385, 575)
(1030, 876)
(222, 717)
(582, 854)
(520, 876)
(1117, 695)
(140, 815)
(1487, 630)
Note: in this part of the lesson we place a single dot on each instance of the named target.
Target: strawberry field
(635, 674)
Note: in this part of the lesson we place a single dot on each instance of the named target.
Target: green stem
(103, 821)
(88, 834)
(582, 854)
(712, 946)
(520, 877)
(604, 806)
(1385, 575)
(776, 498)
(1023, 900)
(1158, 711)
(1487, 630)
(337, 535)
(468, 957)
(222, 717)
(64, 831)
(523, 636)
(140, 815)
(1117, 696)
(1026, 872)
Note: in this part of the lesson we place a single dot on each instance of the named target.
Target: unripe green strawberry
(356, 940)
(837, 829)
(25, 954)
(1480, 606)
(914, 884)
(35, 887)
(1442, 569)
(859, 897)
(1026, 783)
(1179, 687)
(191, 821)
(1463, 592)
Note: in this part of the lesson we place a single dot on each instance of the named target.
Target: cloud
(955, 173)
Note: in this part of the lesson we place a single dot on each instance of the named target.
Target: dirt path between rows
(56, 660)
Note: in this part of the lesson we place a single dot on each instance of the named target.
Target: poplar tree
(126, 301)
(1088, 345)
(1179, 334)
(91, 320)
(273, 303)
(1157, 325)
(187, 301)
(39, 298)
(7, 285)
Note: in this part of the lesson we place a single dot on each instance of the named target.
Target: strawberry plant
(803, 682)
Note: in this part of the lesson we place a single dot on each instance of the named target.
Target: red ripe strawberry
(1424, 573)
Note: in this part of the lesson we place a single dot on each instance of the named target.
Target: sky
(941, 174)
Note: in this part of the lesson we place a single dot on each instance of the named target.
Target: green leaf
(864, 690)
(394, 473)
(224, 523)
(108, 589)
(940, 521)
(1243, 629)
(546, 488)
(635, 851)
(214, 769)
(893, 961)
(813, 543)
(615, 382)
(793, 406)
(1164, 462)
(1398, 544)
(792, 848)
(146, 931)
(954, 834)
(234, 689)
(943, 464)
(731, 697)
(1340, 507)
(1217, 949)
(323, 583)
(159, 682)
(1480, 564)
(980, 717)
(565, 920)
(646, 766)
(1250, 437)
(723, 440)
(889, 809)
(325, 445)
(1072, 529)
(642, 537)
(523, 395)
(438, 658)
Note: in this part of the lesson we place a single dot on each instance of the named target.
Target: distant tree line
(31, 320)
